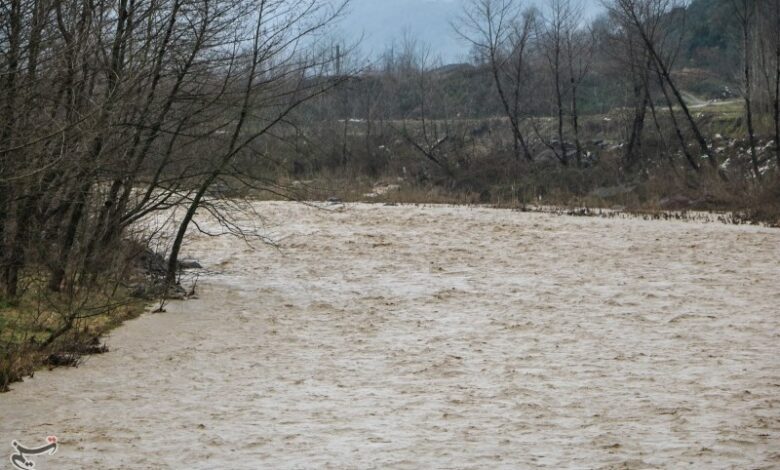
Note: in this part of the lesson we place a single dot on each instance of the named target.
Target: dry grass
(29, 324)
(664, 195)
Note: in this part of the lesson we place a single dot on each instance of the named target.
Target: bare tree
(578, 47)
(555, 36)
(416, 63)
(111, 111)
(277, 80)
(499, 31)
(629, 63)
(647, 17)
(744, 12)
(768, 38)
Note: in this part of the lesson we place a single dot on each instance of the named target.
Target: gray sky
(381, 21)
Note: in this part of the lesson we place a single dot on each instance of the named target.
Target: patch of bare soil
(438, 337)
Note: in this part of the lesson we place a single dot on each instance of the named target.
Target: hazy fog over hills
(380, 22)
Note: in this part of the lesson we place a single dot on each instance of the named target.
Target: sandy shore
(437, 337)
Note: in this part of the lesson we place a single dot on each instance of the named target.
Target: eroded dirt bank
(438, 337)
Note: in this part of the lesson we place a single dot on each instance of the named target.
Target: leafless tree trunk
(744, 11)
(768, 36)
(498, 30)
(276, 78)
(646, 17)
(554, 36)
(579, 52)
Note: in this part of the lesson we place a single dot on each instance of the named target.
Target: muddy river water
(437, 337)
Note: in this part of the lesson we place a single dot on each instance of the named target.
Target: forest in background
(117, 112)
(649, 95)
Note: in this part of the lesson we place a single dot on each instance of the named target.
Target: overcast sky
(381, 21)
